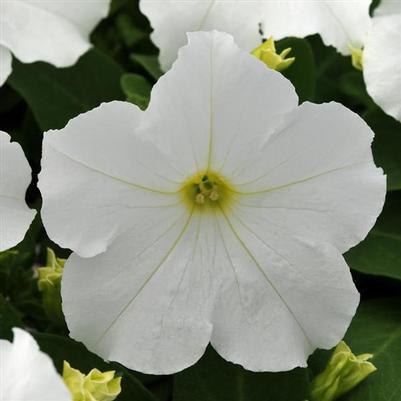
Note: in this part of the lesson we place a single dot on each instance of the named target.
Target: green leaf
(162, 388)
(137, 89)
(18, 283)
(376, 329)
(129, 33)
(330, 66)
(302, 73)
(214, 379)
(56, 95)
(9, 318)
(353, 85)
(387, 146)
(150, 63)
(380, 252)
(9, 100)
(61, 349)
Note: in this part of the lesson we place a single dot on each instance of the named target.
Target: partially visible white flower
(27, 374)
(15, 176)
(382, 58)
(217, 215)
(55, 31)
(338, 22)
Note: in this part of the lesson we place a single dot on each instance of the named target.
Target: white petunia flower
(55, 31)
(27, 374)
(217, 215)
(382, 58)
(15, 176)
(338, 22)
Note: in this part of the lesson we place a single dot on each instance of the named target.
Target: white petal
(381, 58)
(188, 116)
(339, 23)
(5, 64)
(27, 373)
(98, 176)
(214, 93)
(284, 297)
(172, 19)
(54, 31)
(15, 176)
(315, 177)
(145, 302)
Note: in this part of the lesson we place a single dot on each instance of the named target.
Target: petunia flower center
(206, 189)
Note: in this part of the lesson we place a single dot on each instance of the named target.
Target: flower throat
(206, 189)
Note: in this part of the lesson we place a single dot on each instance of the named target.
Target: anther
(200, 199)
(214, 195)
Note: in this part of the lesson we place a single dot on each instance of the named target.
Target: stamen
(200, 199)
(214, 195)
(206, 190)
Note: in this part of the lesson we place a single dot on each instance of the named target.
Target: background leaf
(380, 252)
(330, 67)
(150, 64)
(9, 318)
(62, 348)
(56, 95)
(375, 329)
(302, 73)
(353, 86)
(129, 32)
(137, 89)
(386, 145)
(18, 284)
(214, 379)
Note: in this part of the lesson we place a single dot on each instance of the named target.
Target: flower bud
(95, 386)
(343, 372)
(356, 57)
(266, 52)
(49, 283)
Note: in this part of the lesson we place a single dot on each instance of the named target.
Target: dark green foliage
(380, 253)
(57, 95)
(214, 379)
(302, 73)
(137, 89)
(375, 328)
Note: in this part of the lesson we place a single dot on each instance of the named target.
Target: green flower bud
(356, 57)
(343, 372)
(95, 386)
(267, 53)
(49, 283)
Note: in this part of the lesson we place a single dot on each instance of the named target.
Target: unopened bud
(356, 57)
(267, 53)
(49, 283)
(95, 386)
(343, 372)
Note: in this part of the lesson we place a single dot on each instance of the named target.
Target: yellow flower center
(206, 189)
